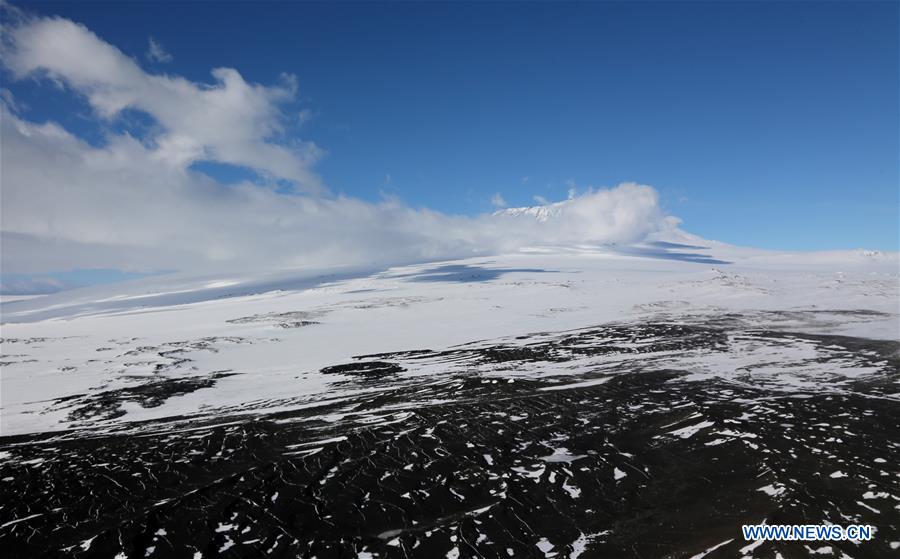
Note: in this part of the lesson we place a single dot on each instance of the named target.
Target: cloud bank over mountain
(136, 201)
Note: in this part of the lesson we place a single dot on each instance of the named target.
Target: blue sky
(763, 124)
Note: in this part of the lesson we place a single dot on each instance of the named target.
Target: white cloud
(136, 204)
(497, 200)
(156, 52)
(31, 286)
(305, 116)
(229, 121)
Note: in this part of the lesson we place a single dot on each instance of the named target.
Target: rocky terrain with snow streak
(558, 402)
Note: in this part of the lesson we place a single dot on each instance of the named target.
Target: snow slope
(242, 342)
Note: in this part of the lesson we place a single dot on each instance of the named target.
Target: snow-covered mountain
(60, 349)
(541, 213)
(566, 388)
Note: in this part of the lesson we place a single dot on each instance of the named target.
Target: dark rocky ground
(642, 461)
